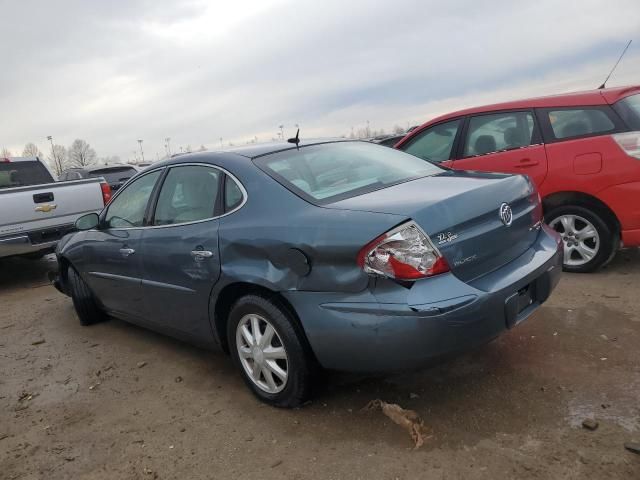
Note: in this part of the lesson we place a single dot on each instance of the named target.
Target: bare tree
(32, 150)
(397, 129)
(81, 154)
(5, 153)
(202, 148)
(58, 159)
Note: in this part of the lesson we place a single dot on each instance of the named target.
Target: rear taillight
(404, 253)
(106, 192)
(629, 142)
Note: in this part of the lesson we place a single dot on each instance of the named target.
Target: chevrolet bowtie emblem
(46, 207)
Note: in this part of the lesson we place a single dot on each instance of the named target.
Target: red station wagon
(581, 149)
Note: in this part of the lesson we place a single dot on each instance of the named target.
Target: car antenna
(295, 139)
(614, 67)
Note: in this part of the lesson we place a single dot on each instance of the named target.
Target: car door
(181, 261)
(506, 142)
(112, 251)
(435, 143)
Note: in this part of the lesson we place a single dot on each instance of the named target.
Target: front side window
(568, 123)
(434, 144)
(499, 131)
(188, 194)
(127, 209)
(334, 171)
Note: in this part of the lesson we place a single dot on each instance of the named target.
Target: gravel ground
(114, 401)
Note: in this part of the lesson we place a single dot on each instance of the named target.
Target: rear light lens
(106, 193)
(404, 253)
(629, 142)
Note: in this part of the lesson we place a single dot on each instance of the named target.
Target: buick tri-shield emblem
(506, 214)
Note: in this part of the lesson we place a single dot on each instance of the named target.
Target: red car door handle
(527, 162)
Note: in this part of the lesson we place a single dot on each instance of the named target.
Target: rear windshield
(629, 110)
(114, 175)
(334, 171)
(21, 174)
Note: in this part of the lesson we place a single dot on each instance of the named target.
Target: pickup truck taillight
(404, 253)
(629, 142)
(106, 192)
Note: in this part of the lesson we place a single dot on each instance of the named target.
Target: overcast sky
(112, 72)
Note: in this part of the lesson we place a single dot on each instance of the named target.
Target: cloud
(195, 71)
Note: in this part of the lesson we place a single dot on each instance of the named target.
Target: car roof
(589, 97)
(246, 152)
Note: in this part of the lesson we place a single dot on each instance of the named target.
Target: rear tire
(84, 302)
(589, 241)
(274, 363)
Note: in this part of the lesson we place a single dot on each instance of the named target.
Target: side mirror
(87, 222)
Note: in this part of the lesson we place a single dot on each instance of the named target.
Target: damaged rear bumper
(390, 328)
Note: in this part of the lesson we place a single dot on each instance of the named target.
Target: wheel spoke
(275, 368)
(245, 352)
(246, 334)
(567, 224)
(275, 353)
(256, 371)
(587, 233)
(267, 336)
(268, 376)
(585, 252)
(255, 330)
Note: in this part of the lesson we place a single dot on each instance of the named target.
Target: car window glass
(188, 194)
(434, 144)
(496, 132)
(127, 209)
(629, 110)
(577, 122)
(329, 172)
(232, 194)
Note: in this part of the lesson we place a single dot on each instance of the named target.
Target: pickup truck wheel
(589, 242)
(269, 352)
(83, 300)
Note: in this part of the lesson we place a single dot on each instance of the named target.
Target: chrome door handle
(127, 251)
(201, 254)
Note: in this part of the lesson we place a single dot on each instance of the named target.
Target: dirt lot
(80, 403)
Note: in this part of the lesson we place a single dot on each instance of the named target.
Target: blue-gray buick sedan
(343, 255)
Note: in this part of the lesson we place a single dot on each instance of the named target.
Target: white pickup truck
(36, 211)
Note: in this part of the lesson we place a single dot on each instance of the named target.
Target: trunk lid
(461, 213)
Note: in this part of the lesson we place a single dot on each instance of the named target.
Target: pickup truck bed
(33, 218)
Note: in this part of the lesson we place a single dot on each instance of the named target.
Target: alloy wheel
(262, 353)
(580, 237)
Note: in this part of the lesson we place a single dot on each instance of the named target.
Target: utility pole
(221, 146)
(141, 152)
(281, 127)
(168, 140)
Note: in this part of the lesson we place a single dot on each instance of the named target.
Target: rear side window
(188, 194)
(569, 123)
(21, 174)
(629, 110)
(435, 143)
(497, 132)
(232, 194)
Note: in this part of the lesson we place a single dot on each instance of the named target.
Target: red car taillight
(106, 192)
(404, 253)
(629, 142)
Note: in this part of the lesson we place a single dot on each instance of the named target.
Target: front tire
(270, 351)
(84, 302)
(589, 241)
